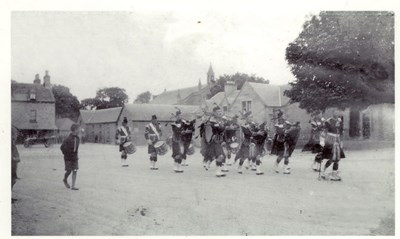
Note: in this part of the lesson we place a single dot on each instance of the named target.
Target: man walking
(70, 148)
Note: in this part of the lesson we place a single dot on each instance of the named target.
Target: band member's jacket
(258, 137)
(218, 129)
(291, 137)
(122, 136)
(188, 128)
(313, 144)
(70, 148)
(177, 138)
(278, 143)
(231, 129)
(153, 132)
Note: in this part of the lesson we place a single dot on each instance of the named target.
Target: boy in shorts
(70, 150)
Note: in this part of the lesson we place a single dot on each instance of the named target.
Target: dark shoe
(13, 200)
(125, 165)
(66, 183)
(74, 188)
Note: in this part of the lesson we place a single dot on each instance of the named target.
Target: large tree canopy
(143, 98)
(343, 59)
(106, 98)
(67, 105)
(238, 78)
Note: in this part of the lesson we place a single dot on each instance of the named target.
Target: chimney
(46, 80)
(229, 87)
(36, 80)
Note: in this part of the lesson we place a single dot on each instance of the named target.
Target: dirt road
(113, 200)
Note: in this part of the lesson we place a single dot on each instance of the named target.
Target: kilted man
(188, 128)
(279, 147)
(332, 149)
(122, 136)
(217, 139)
(152, 133)
(177, 144)
(247, 130)
(70, 148)
(205, 136)
(231, 128)
(317, 126)
(259, 135)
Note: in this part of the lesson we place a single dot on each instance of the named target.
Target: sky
(149, 50)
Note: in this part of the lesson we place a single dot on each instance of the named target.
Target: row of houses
(33, 111)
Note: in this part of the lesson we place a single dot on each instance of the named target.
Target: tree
(238, 78)
(343, 59)
(67, 105)
(143, 98)
(106, 98)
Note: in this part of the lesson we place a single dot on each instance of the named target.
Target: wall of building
(45, 113)
(101, 133)
(382, 121)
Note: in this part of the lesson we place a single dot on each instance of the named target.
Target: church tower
(210, 77)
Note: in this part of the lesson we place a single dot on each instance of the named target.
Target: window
(246, 105)
(32, 95)
(32, 118)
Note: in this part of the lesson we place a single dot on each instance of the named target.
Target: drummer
(152, 133)
(177, 144)
(231, 127)
(122, 136)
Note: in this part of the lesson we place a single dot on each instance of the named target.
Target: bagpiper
(247, 128)
(218, 127)
(333, 146)
(230, 136)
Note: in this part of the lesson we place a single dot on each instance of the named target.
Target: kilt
(176, 149)
(243, 152)
(151, 149)
(71, 165)
(206, 149)
(278, 148)
(327, 152)
(216, 150)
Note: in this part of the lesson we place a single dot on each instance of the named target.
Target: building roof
(21, 92)
(64, 124)
(217, 99)
(143, 112)
(175, 97)
(270, 95)
(100, 116)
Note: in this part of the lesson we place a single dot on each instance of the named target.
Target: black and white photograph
(199, 118)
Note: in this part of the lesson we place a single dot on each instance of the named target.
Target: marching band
(222, 137)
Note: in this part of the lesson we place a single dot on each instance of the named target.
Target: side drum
(234, 147)
(129, 147)
(161, 147)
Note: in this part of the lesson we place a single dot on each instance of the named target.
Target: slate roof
(143, 112)
(21, 92)
(175, 97)
(270, 95)
(100, 116)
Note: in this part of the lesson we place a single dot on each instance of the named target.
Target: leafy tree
(67, 105)
(343, 59)
(143, 98)
(106, 98)
(238, 78)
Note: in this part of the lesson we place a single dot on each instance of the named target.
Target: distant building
(99, 125)
(139, 115)
(195, 95)
(33, 108)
